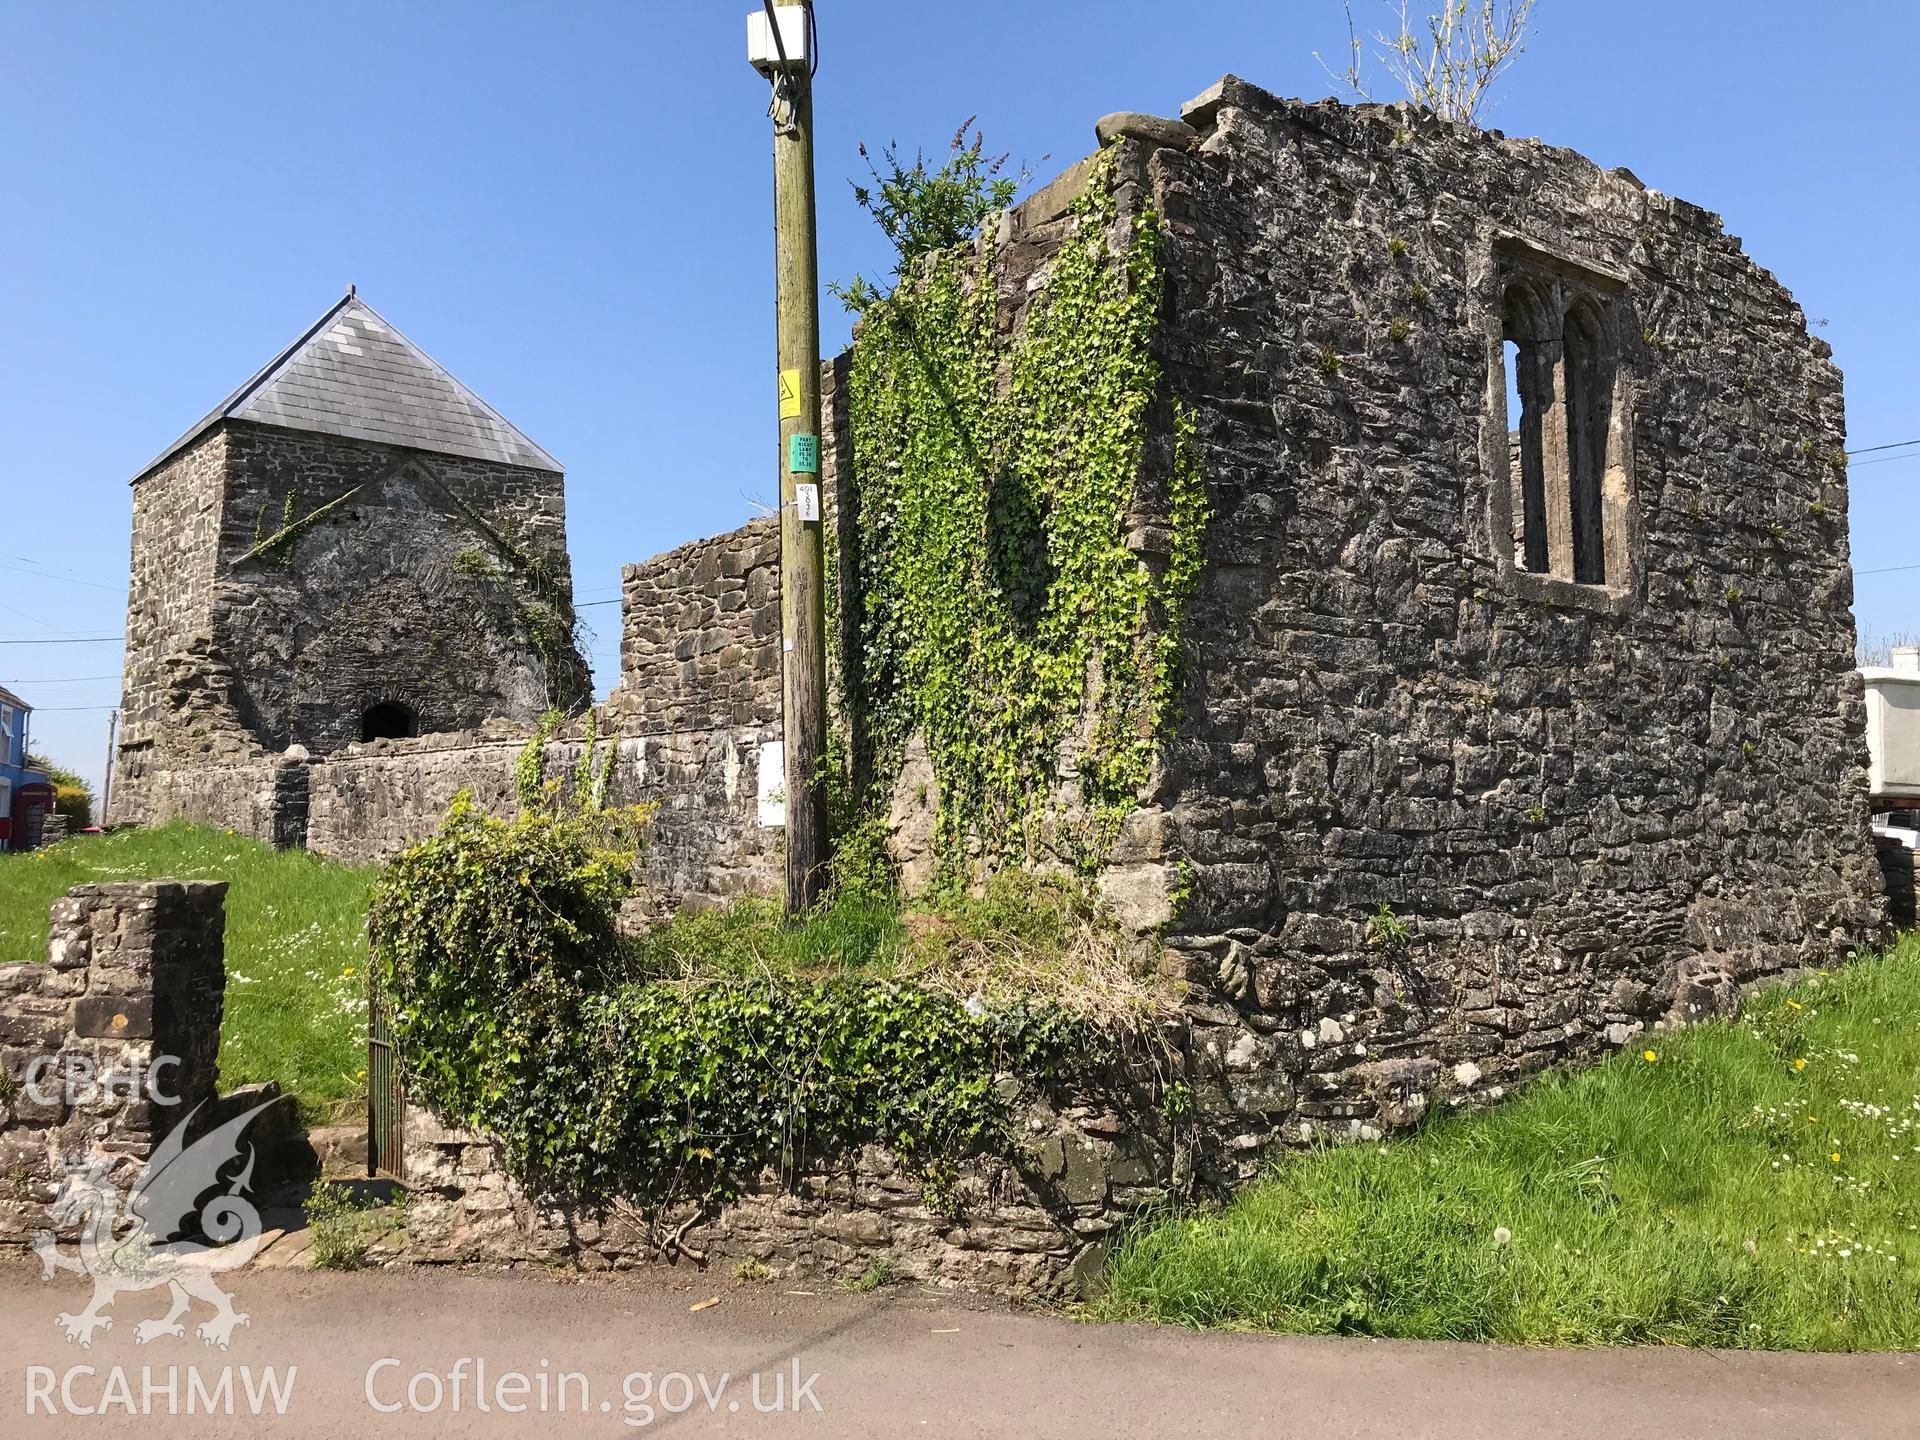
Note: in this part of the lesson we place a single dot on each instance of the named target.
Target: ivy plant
(519, 1012)
(1004, 615)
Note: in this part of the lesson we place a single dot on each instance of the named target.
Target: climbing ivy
(530, 766)
(521, 1012)
(1003, 613)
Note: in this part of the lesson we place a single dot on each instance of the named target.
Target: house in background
(1893, 772)
(26, 796)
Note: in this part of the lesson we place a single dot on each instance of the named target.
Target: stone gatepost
(113, 1040)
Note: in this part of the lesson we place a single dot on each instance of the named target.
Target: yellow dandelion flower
(1649, 1056)
(1835, 1157)
(1795, 1005)
(1799, 1064)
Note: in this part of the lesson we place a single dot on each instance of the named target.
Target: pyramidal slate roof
(354, 375)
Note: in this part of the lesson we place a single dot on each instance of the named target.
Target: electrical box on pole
(783, 45)
(780, 41)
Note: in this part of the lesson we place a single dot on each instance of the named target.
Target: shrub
(72, 796)
(925, 211)
(347, 1224)
(491, 938)
(520, 1012)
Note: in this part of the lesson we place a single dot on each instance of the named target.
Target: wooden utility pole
(106, 779)
(803, 570)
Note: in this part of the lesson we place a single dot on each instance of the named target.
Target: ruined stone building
(1493, 738)
(1590, 725)
(351, 547)
(351, 598)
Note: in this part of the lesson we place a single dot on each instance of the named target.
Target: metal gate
(386, 1099)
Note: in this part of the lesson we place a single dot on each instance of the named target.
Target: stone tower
(353, 546)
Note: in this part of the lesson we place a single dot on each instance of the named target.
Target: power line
(69, 680)
(63, 579)
(62, 640)
(56, 709)
(36, 620)
(1897, 445)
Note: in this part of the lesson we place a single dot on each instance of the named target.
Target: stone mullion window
(1565, 458)
(1534, 379)
(1555, 448)
(1590, 384)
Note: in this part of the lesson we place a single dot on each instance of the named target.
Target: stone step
(329, 1150)
(287, 1250)
(342, 1148)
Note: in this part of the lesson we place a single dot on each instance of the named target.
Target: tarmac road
(900, 1362)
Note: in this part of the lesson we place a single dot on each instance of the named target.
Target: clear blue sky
(567, 204)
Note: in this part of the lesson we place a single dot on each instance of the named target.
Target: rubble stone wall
(404, 592)
(286, 583)
(176, 520)
(705, 842)
(264, 797)
(700, 639)
(1592, 807)
(134, 971)
(1434, 812)
(1033, 1224)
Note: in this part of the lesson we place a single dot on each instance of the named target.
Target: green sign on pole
(803, 454)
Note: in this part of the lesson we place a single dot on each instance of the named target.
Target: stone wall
(1436, 811)
(134, 971)
(249, 696)
(264, 797)
(176, 520)
(1593, 807)
(436, 583)
(1035, 1224)
(373, 800)
(700, 636)
(404, 591)
(705, 843)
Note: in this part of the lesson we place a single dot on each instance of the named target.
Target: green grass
(296, 946)
(1023, 937)
(1755, 1184)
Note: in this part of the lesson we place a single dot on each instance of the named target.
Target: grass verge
(296, 946)
(1030, 938)
(1748, 1184)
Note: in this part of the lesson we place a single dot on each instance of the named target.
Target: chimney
(1905, 659)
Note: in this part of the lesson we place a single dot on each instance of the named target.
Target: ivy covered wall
(1024, 553)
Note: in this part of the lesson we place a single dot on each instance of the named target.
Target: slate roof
(353, 374)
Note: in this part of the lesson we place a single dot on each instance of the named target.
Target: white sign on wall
(772, 786)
